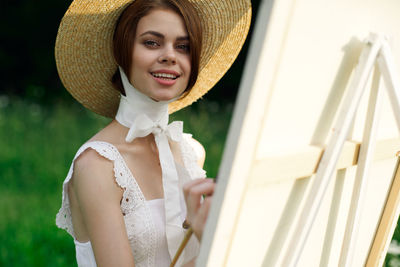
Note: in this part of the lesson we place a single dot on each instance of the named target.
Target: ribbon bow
(141, 127)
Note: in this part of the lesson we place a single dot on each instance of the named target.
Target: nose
(167, 56)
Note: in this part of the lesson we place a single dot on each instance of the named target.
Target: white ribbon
(143, 126)
(144, 116)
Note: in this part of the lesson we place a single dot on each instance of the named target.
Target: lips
(165, 74)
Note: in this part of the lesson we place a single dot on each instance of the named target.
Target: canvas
(301, 66)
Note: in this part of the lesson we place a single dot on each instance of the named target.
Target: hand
(197, 211)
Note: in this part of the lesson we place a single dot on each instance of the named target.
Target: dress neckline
(130, 174)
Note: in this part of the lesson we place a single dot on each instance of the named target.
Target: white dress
(144, 220)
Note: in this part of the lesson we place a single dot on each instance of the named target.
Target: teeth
(164, 75)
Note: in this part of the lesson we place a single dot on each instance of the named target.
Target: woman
(122, 198)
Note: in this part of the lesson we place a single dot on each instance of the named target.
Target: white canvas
(301, 63)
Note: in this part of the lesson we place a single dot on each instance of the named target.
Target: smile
(166, 76)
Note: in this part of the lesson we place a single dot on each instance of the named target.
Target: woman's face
(161, 58)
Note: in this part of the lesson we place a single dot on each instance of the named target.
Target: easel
(300, 67)
(377, 51)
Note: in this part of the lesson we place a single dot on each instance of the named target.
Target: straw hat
(85, 59)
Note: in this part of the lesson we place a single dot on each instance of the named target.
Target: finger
(189, 185)
(195, 192)
(201, 218)
(194, 195)
(204, 209)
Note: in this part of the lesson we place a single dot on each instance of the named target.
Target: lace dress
(144, 220)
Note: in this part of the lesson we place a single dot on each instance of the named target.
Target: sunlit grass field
(36, 148)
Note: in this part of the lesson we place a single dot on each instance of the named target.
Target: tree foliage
(28, 30)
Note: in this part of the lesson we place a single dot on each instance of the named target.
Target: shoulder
(93, 175)
(90, 161)
(198, 149)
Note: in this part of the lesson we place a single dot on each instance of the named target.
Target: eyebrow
(160, 35)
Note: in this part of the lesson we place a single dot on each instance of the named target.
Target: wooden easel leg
(387, 223)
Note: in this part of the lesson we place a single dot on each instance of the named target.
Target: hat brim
(85, 59)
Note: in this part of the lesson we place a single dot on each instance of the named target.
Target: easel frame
(376, 50)
(387, 223)
(243, 136)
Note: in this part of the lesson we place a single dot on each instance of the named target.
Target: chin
(162, 98)
(165, 96)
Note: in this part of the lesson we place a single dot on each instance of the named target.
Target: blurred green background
(41, 128)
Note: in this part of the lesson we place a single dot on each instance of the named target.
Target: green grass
(36, 148)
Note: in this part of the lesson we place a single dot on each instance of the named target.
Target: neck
(136, 103)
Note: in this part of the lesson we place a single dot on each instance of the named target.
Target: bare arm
(99, 198)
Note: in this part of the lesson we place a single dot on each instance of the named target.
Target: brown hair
(125, 32)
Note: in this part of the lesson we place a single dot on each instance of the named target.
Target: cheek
(138, 62)
(142, 58)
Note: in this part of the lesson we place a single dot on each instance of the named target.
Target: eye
(150, 43)
(183, 47)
